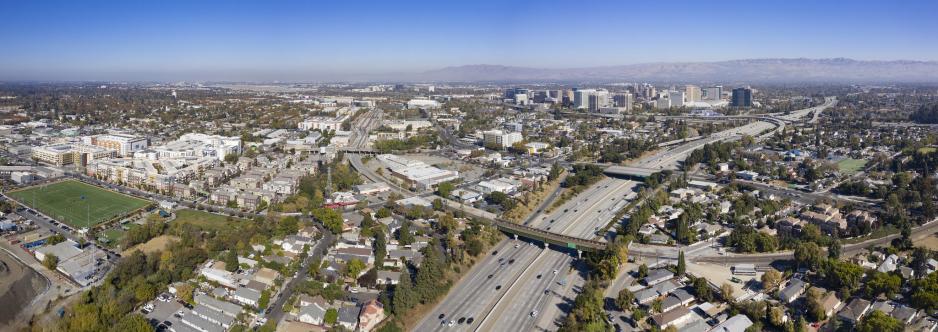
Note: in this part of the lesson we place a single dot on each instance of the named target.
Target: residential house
(738, 323)
(830, 303)
(247, 296)
(854, 311)
(656, 276)
(348, 317)
(312, 314)
(795, 288)
(371, 314)
(676, 299)
(677, 318)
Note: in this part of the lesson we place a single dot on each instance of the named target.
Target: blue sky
(74, 40)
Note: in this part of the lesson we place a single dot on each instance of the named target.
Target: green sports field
(77, 204)
(851, 166)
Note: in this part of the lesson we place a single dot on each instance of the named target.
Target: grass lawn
(851, 166)
(878, 233)
(78, 204)
(205, 220)
(927, 150)
(114, 235)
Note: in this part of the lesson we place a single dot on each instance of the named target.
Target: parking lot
(163, 311)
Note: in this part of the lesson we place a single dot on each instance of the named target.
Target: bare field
(155, 244)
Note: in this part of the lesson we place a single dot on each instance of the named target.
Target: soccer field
(851, 166)
(77, 204)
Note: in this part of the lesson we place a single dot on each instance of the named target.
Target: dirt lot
(930, 242)
(156, 244)
(19, 285)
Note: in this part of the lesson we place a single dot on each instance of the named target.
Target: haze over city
(469, 166)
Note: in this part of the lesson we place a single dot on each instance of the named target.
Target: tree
(883, 283)
(264, 300)
(474, 247)
(815, 308)
(231, 261)
(835, 249)
(445, 189)
(624, 299)
(878, 321)
(50, 261)
(404, 237)
(381, 248)
(642, 271)
(184, 292)
(404, 296)
(132, 323)
(925, 292)
(702, 289)
(681, 265)
(330, 218)
(807, 255)
(55, 239)
(726, 290)
(771, 279)
(801, 325)
(777, 316)
(332, 315)
(354, 267)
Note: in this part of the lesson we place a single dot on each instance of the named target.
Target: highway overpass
(525, 231)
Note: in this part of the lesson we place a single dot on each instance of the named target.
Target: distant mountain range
(752, 70)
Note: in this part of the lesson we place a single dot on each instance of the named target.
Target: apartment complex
(499, 139)
(124, 144)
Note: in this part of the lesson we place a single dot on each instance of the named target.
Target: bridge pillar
(579, 254)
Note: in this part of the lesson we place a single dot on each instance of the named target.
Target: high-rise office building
(692, 93)
(598, 99)
(714, 92)
(677, 98)
(623, 100)
(581, 98)
(742, 97)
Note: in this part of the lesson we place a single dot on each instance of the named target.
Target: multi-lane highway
(485, 284)
(588, 212)
(520, 287)
(671, 158)
(531, 304)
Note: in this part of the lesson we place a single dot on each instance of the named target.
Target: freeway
(589, 211)
(513, 312)
(529, 291)
(478, 291)
(671, 158)
(528, 305)
(363, 125)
